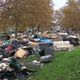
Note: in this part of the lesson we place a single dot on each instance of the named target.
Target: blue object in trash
(45, 40)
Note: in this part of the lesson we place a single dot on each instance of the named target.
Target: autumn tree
(27, 13)
(40, 13)
(1, 18)
(13, 14)
(71, 18)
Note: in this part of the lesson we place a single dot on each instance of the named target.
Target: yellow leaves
(39, 12)
(71, 18)
(28, 13)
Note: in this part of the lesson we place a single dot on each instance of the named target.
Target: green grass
(65, 66)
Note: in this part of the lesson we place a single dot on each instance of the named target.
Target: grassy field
(65, 66)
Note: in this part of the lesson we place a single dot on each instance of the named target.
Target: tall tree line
(21, 14)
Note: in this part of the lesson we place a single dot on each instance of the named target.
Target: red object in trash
(9, 48)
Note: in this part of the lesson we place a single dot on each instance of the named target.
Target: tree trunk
(4, 30)
(33, 31)
(16, 29)
(38, 28)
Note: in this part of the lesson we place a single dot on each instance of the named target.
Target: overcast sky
(59, 3)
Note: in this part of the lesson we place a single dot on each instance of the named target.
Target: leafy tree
(40, 13)
(71, 18)
(27, 13)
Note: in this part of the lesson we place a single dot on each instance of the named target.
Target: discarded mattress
(62, 45)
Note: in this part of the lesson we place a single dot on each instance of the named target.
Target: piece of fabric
(9, 48)
(7, 42)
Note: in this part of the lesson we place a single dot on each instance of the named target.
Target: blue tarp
(44, 40)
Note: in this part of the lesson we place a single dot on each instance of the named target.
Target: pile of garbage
(13, 50)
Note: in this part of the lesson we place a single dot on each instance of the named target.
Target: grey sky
(59, 3)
